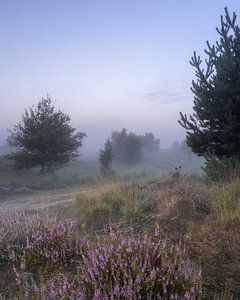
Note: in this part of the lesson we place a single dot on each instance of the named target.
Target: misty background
(108, 64)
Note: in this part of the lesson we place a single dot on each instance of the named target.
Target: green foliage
(228, 202)
(215, 124)
(100, 208)
(44, 137)
(134, 206)
(131, 149)
(225, 170)
(150, 146)
(109, 204)
(105, 158)
(127, 148)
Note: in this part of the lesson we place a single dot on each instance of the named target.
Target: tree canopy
(130, 148)
(214, 126)
(105, 158)
(150, 145)
(44, 137)
(127, 147)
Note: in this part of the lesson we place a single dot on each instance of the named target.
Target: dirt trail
(40, 199)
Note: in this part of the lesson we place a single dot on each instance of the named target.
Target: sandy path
(40, 199)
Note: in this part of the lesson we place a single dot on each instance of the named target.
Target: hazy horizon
(108, 64)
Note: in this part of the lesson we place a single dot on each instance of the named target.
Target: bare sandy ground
(40, 199)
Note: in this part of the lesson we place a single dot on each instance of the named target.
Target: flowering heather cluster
(36, 240)
(49, 260)
(138, 268)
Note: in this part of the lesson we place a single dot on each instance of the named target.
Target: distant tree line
(128, 148)
(44, 138)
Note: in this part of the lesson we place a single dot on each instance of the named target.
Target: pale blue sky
(109, 64)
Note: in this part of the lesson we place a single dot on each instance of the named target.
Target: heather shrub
(36, 241)
(16, 228)
(124, 268)
(34, 247)
(139, 268)
(49, 260)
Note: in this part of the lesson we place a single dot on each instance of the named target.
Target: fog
(109, 65)
(119, 137)
(97, 135)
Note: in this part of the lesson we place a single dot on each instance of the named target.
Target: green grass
(227, 203)
(110, 203)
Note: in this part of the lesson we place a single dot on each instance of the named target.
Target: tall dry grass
(227, 203)
(110, 203)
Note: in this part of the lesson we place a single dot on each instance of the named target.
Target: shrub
(139, 268)
(33, 246)
(48, 261)
(126, 268)
(37, 240)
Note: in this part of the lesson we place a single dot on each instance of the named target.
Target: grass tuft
(227, 203)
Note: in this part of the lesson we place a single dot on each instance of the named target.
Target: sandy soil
(40, 199)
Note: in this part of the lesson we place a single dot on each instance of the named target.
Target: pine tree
(105, 158)
(44, 138)
(214, 127)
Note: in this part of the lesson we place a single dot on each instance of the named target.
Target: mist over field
(108, 65)
(119, 150)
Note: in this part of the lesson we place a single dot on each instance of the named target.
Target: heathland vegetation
(138, 222)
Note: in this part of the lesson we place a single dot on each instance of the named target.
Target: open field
(123, 183)
(197, 213)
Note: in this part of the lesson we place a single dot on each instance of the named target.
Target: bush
(139, 268)
(48, 260)
(36, 239)
(33, 246)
